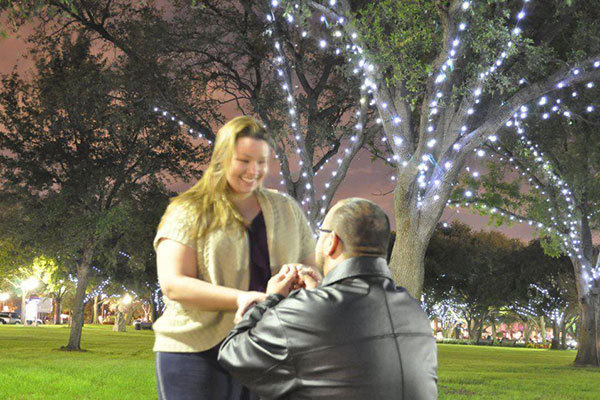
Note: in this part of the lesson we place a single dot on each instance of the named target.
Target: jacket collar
(358, 266)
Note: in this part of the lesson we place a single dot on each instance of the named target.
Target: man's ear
(333, 244)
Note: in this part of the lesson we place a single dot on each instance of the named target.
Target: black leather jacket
(357, 336)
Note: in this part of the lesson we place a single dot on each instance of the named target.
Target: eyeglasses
(319, 230)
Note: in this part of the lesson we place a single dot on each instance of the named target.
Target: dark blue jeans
(197, 376)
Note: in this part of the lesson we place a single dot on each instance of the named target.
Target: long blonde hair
(208, 199)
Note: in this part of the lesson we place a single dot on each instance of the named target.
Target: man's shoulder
(307, 299)
(324, 303)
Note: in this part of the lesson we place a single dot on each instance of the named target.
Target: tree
(131, 260)
(200, 60)
(446, 77)
(548, 292)
(472, 272)
(555, 159)
(77, 142)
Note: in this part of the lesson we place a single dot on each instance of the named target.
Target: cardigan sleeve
(179, 223)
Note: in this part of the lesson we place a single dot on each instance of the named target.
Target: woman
(217, 245)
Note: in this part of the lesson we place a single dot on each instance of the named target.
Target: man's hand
(244, 301)
(283, 282)
(309, 278)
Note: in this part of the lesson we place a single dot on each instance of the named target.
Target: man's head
(353, 227)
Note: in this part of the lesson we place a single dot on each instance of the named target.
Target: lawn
(121, 366)
(114, 366)
(483, 372)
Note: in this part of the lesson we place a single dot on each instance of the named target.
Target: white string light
(562, 219)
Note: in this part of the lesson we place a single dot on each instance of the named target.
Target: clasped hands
(290, 277)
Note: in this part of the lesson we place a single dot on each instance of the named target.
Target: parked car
(10, 318)
(39, 321)
(140, 325)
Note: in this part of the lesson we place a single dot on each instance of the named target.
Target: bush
(537, 345)
(456, 341)
(505, 343)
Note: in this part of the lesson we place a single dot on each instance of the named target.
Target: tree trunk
(83, 270)
(555, 336)
(96, 309)
(119, 325)
(472, 327)
(414, 228)
(493, 321)
(129, 315)
(526, 332)
(408, 262)
(543, 329)
(563, 334)
(23, 315)
(588, 352)
(57, 310)
(480, 329)
(588, 296)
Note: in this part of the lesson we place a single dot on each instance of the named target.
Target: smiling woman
(248, 167)
(217, 246)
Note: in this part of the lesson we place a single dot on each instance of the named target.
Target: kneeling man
(355, 336)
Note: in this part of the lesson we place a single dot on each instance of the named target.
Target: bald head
(363, 227)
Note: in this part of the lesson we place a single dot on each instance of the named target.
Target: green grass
(115, 365)
(121, 366)
(482, 372)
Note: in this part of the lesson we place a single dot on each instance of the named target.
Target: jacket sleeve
(256, 352)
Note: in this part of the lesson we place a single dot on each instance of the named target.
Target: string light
(562, 220)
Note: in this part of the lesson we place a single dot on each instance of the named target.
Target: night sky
(364, 179)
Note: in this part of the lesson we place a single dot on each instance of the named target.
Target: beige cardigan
(223, 259)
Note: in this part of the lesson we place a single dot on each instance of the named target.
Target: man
(356, 336)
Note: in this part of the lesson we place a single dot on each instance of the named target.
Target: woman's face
(249, 165)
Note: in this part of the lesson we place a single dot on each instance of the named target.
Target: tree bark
(526, 332)
(588, 352)
(96, 309)
(480, 329)
(57, 311)
(472, 328)
(119, 325)
(83, 270)
(543, 329)
(563, 334)
(23, 301)
(129, 315)
(555, 345)
(414, 227)
(408, 262)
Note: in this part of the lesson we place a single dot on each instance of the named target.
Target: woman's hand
(307, 276)
(245, 300)
(283, 282)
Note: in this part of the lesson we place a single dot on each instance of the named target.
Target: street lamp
(29, 284)
(127, 299)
